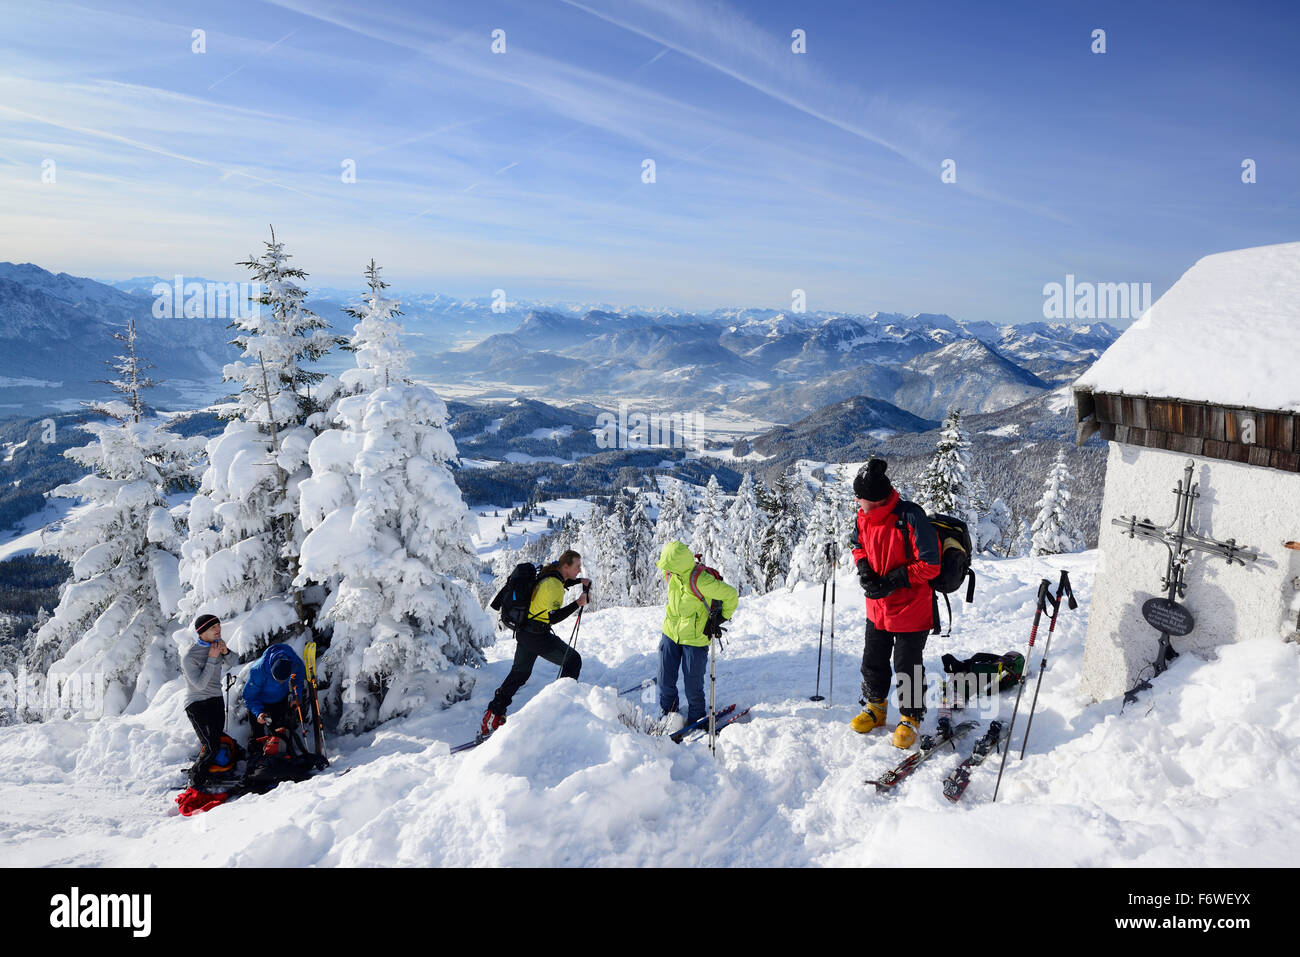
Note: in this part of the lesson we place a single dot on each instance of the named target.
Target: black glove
(887, 584)
(713, 627)
(866, 577)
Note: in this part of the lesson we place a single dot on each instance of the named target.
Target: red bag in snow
(192, 802)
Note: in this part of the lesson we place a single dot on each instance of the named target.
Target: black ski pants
(209, 719)
(529, 646)
(907, 648)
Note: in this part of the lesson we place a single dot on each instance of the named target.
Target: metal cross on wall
(1181, 544)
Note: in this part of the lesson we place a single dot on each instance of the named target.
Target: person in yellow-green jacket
(536, 640)
(684, 645)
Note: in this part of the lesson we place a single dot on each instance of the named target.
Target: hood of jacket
(676, 558)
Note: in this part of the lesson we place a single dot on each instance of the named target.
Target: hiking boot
(905, 733)
(491, 721)
(871, 718)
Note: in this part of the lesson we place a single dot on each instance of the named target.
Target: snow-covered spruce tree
(812, 556)
(1051, 532)
(388, 533)
(788, 505)
(740, 560)
(946, 485)
(641, 552)
(107, 635)
(613, 555)
(241, 558)
(709, 536)
(997, 531)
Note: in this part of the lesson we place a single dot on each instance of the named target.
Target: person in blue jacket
(266, 692)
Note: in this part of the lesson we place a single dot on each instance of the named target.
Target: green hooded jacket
(686, 615)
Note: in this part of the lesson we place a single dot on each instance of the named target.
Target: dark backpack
(955, 548)
(1008, 669)
(283, 758)
(515, 596)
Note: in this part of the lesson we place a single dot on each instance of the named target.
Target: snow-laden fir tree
(675, 521)
(709, 538)
(740, 562)
(389, 535)
(241, 558)
(644, 576)
(613, 554)
(997, 530)
(946, 486)
(813, 556)
(107, 635)
(787, 504)
(1051, 532)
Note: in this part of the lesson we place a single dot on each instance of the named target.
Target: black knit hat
(204, 622)
(871, 482)
(281, 669)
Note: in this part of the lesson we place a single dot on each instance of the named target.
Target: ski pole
(831, 690)
(1062, 589)
(817, 692)
(713, 730)
(1033, 634)
(230, 680)
(573, 638)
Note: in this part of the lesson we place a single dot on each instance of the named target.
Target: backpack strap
(693, 584)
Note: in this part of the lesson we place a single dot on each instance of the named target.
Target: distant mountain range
(56, 331)
(779, 366)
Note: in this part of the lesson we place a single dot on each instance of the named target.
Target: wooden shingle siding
(1194, 428)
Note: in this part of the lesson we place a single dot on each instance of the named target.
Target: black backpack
(516, 595)
(955, 548)
(1006, 670)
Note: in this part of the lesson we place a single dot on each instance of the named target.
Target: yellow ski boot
(871, 718)
(905, 733)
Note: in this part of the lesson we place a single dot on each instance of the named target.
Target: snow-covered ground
(1197, 773)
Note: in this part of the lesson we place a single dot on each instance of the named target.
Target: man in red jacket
(897, 553)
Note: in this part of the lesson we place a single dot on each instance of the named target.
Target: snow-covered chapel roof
(1227, 333)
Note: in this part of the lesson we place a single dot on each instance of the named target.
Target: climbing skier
(897, 553)
(267, 691)
(684, 643)
(201, 667)
(536, 639)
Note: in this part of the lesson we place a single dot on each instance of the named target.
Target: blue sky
(774, 170)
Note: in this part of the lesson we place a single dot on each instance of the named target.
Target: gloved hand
(887, 584)
(866, 577)
(713, 627)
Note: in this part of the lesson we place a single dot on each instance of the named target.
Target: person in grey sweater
(202, 666)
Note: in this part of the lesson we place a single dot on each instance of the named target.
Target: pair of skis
(955, 784)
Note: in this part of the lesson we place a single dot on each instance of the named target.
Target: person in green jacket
(683, 645)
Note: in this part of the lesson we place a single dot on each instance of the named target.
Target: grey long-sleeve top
(202, 674)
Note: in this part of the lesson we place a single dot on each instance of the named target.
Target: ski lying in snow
(930, 745)
(478, 739)
(955, 784)
(720, 722)
(645, 683)
(677, 736)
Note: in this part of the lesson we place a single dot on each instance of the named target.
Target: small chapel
(1199, 401)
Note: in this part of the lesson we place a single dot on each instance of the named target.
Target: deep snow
(1199, 772)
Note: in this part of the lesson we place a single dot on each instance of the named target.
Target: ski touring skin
(955, 784)
(929, 746)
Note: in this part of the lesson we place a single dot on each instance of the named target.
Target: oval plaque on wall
(1168, 616)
